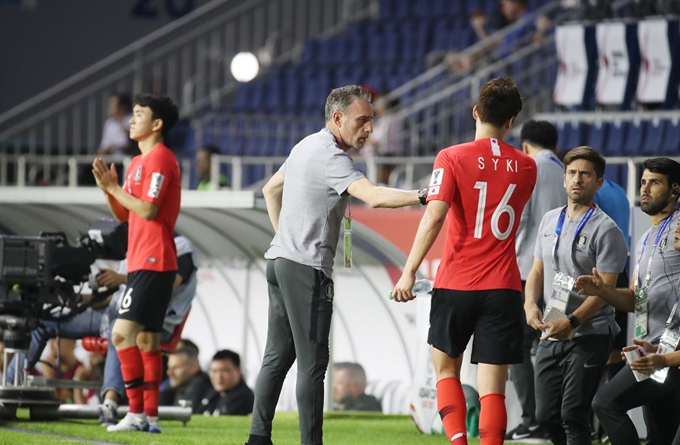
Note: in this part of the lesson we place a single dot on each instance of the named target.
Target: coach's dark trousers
(660, 402)
(300, 310)
(567, 376)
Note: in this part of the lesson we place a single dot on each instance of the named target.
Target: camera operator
(98, 320)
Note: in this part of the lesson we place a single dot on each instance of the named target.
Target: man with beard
(577, 329)
(653, 298)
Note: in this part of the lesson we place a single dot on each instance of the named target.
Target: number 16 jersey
(486, 184)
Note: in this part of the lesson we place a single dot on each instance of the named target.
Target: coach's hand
(589, 284)
(107, 178)
(558, 329)
(534, 316)
(402, 290)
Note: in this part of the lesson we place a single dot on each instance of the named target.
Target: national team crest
(581, 241)
(138, 175)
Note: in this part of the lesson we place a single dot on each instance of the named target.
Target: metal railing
(187, 59)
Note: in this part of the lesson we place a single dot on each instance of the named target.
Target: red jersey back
(486, 183)
(155, 178)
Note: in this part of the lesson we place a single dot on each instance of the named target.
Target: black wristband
(573, 321)
(422, 196)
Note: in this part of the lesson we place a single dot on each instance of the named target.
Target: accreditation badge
(641, 311)
(668, 344)
(562, 286)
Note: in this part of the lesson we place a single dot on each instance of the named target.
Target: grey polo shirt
(317, 174)
(548, 194)
(663, 285)
(600, 244)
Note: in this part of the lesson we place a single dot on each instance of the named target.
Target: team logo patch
(138, 175)
(437, 177)
(581, 241)
(433, 191)
(663, 244)
(156, 185)
(330, 292)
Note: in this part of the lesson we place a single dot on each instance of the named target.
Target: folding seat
(671, 141)
(613, 145)
(598, 135)
(634, 138)
(654, 137)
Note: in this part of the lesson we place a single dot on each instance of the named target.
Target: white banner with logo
(573, 65)
(613, 63)
(655, 69)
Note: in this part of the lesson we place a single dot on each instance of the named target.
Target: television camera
(38, 279)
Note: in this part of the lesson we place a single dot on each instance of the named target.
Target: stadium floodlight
(244, 66)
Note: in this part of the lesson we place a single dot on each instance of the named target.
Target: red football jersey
(487, 183)
(155, 178)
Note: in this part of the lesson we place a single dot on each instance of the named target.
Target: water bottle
(420, 287)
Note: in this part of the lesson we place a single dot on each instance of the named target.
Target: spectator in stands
(116, 133)
(388, 137)
(539, 140)
(187, 380)
(652, 296)
(577, 329)
(349, 389)
(204, 168)
(229, 395)
(532, 31)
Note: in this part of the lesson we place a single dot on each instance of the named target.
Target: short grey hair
(341, 98)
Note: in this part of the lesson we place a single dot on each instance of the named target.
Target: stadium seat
(654, 137)
(597, 137)
(671, 141)
(613, 144)
(634, 139)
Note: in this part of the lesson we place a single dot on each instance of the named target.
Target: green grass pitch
(339, 429)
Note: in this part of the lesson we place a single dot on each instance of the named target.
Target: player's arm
(118, 211)
(533, 292)
(428, 230)
(107, 180)
(595, 285)
(144, 209)
(375, 196)
(273, 197)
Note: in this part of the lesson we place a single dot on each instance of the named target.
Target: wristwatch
(422, 196)
(573, 321)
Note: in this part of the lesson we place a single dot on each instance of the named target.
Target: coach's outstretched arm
(428, 230)
(119, 201)
(273, 197)
(375, 196)
(622, 298)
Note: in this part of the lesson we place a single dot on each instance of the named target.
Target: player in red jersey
(149, 200)
(483, 186)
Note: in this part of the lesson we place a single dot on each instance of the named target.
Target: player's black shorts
(495, 317)
(147, 297)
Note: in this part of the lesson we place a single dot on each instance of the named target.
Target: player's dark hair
(162, 107)
(588, 154)
(667, 167)
(226, 354)
(540, 133)
(499, 101)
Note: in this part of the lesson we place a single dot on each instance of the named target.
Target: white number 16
(503, 207)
